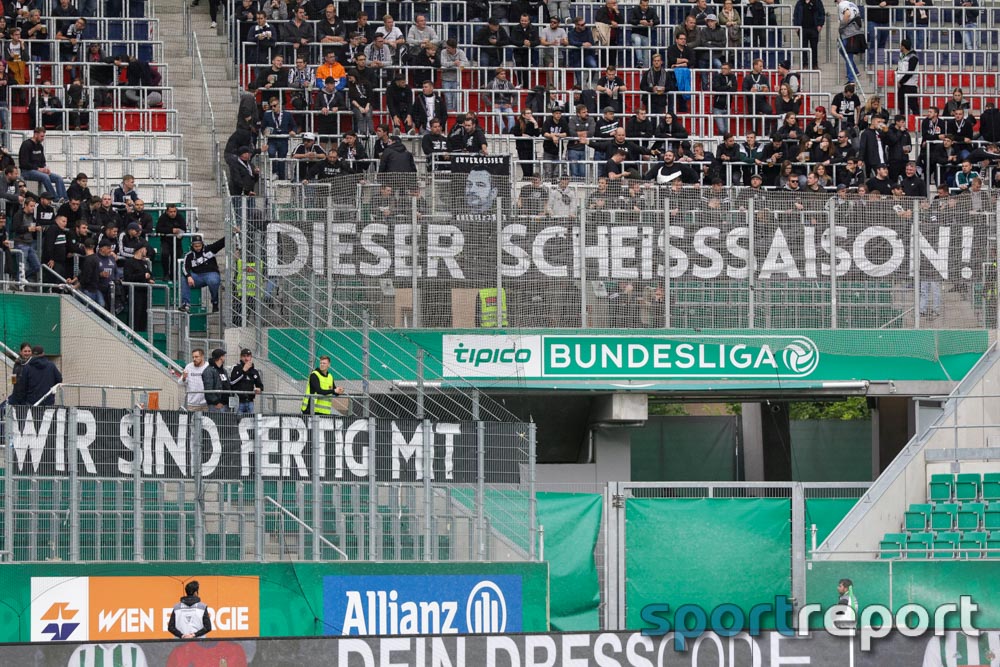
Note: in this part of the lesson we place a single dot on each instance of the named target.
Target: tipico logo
(801, 356)
(495, 356)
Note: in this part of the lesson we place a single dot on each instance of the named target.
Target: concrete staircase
(195, 121)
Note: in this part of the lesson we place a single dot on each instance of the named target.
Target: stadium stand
(961, 520)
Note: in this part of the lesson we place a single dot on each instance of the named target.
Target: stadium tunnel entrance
(721, 436)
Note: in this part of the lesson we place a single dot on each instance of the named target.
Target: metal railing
(208, 495)
(138, 396)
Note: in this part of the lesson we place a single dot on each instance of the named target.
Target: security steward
(320, 384)
(189, 618)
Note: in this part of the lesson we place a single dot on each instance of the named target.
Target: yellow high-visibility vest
(322, 404)
(250, 281)
(488, 307)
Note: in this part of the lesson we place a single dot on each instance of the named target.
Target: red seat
(19, 118)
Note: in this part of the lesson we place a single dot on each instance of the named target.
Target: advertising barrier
(113, 602)
(563, 358)
(606, 649)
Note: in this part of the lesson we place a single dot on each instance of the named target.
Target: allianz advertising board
(421, 605)
(629, 357)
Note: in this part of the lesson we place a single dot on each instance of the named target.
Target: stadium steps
(187, 84)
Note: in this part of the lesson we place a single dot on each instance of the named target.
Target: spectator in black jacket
(31, 158)
(171, 226)
(38, 378)
(201, 269)
(216, 382)
(246, 378)
(89, 278)
(989, 124)
(492, 38)
(135, 269)
(428, 105)
(243, 175)
(57, 251)
(396, 159)
(78, 188)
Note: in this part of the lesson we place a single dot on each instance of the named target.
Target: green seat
(918, 545)
(991, 516)
(967, 486)
(970, 516)
(972, 544)
(917, 518)
(991, 486)
(943, 516)
(993, 544)
(892, 546)
(945, 544)
(941, 488)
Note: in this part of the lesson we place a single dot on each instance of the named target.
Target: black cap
(882, 166)
(841, 186)
(45, 194)
(134, 225)
(197, 239)
(787, 64)
(106, 243)
(245, 351)
(218, 353)
(243, 149)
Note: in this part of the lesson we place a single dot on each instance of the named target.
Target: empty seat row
(964, 487)
(941, 544)
(952, 516)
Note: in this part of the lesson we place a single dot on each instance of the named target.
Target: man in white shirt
(192, 381)
(393, 35)
(563, 201)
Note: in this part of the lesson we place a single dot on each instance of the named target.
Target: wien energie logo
(61, 624)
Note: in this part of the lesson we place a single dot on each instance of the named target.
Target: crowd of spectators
(370, 80)
(53, 61)
(72, 237)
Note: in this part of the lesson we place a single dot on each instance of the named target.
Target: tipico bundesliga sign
(626, 357)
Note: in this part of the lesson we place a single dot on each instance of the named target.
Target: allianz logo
(383, 612)
(491, 355)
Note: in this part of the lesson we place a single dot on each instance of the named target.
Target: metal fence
(614, 597)
(332, 254)
(104, 484)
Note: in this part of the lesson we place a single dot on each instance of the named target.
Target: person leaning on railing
(320, 384)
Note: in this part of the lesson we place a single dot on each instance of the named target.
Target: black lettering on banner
(464, 249)
(608, 649)
(106, 447)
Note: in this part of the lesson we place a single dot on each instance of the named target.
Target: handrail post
(532, 501)
(74, 483)
(258, 472)
(318, 462)
(199, 487)
(137, 456)
(428, 456)
(10, 494)
(372, 493)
